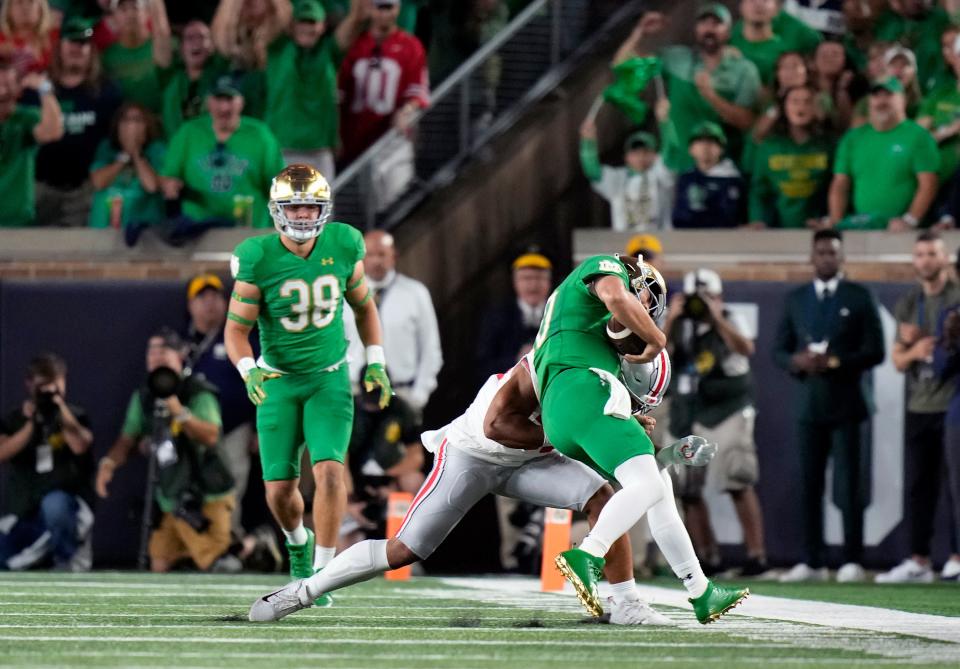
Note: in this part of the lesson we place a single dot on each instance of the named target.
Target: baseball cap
(899, 50)
(532, 260)
(890, 85)
(169, 338)
(702, 278)
(648, 246)
(640, 140)
(202, 282)
(225, 87)
(717, 10)
(309, 10)
(708, 130)
(76, 30)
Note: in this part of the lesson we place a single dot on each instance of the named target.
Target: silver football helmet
(647, 382)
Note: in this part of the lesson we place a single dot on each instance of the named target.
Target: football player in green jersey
(292, 285)
(586, 415)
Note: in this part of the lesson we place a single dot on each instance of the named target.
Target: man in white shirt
(411, 338)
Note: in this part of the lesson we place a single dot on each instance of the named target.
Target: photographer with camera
(385, 455)
(179, 419)
(713, 397)
(47, 445)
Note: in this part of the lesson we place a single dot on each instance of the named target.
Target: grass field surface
(181, 620)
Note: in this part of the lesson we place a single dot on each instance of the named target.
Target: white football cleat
(280, 603)
(804, 573)
(908, 571)
(951, 570)
(851, 573)
(635, 612)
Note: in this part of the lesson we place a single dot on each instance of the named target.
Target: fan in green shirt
(22, 130)
(917, 26)
(709, 82)
(757, 38)
(940, 114)
(792, 166)
(302, 86)
(189, 80)
(220, 165)
(137, 59)
(890, 163)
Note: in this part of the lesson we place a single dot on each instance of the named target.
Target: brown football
(622, 339)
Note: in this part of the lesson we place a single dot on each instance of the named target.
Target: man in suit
(829, 336)
(508, 329)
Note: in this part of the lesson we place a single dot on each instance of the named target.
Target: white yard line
(874, 619)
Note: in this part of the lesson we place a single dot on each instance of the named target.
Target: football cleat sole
(589, 600)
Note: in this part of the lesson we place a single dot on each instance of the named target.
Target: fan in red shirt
(383, 81)
(27, 35)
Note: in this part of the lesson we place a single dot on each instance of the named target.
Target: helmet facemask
(300, 231)
(645, 278)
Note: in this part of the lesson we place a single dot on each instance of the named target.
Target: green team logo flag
(629, 79)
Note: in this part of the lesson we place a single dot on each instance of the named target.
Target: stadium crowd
(838, 114)
(128, 114)
(824, 115)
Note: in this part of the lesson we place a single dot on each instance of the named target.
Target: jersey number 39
(316, 303)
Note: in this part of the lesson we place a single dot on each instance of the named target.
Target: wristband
(123, 158)
(375, 356)
(910, 219)
(107, 460)
(246, 365)
(184, 415)
(44, 88)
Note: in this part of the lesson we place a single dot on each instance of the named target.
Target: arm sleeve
(871, 351)
(596, 266)
(841, 164)
(415, 82)
(590, 160)
(431, 354)
(785, 341)
(204, 406)
(176, 156)
(926, 157)
(748, 88)
(134, 423)
(243, 263)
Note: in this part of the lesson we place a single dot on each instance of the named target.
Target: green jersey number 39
(316, 303)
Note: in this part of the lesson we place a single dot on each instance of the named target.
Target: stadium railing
(483, 97)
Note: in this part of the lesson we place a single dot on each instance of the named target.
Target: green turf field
(138, 620)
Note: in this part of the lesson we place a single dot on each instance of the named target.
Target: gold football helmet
(298, 185)
(645, 277)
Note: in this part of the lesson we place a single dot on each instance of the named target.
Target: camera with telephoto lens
(163, 382)
(46, 410)
(695, 307)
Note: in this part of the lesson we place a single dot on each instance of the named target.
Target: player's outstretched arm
(241, 317)
(360, 298)
(508, 417)
(627, 309)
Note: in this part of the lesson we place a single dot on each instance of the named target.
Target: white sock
(297, 536)
(358, 563)
(624, 591)
(642, 489)
(674, 541)
(323, 555)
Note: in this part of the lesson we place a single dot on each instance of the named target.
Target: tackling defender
(520, 464)
(585, 418)
(292, 285)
